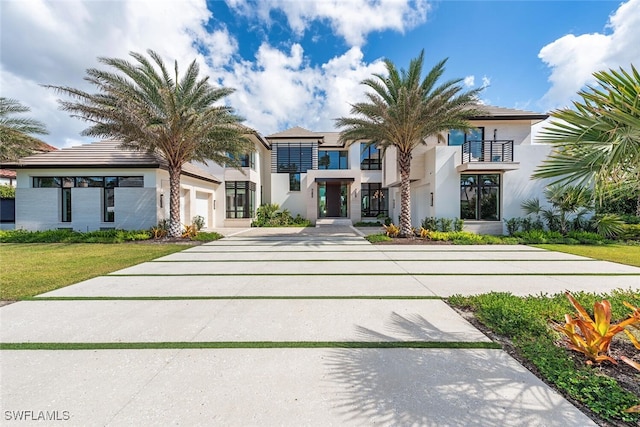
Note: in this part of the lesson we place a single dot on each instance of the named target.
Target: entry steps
(342, 222)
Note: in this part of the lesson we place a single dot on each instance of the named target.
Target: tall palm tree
(15, 141)
(146, 108)
(402, 110)
(598, 141)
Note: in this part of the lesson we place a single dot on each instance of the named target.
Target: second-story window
(370, 157)
(333, 159)
(295, 157)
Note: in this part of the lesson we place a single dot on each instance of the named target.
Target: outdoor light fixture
(312, 192)
(431, 199)
(161, 200)
(214, 204)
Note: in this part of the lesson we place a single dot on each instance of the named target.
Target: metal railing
(487, 151)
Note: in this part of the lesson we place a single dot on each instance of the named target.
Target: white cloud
(486, 81)
(277, 89)
(470, 81)
(351, 19)
(573, 59)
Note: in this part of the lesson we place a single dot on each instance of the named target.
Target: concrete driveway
(287, 327)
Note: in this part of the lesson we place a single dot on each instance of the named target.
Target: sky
(300, 62)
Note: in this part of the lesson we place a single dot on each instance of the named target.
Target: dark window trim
(366, 161)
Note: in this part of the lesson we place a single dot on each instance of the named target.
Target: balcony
(484, 155)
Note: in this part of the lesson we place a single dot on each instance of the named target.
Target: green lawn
(33, 268)
(624, 254)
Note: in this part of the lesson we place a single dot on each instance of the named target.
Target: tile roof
(105, 154)
(493, 112)
(295, 132)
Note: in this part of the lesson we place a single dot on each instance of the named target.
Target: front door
(332, 199)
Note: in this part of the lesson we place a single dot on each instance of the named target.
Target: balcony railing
(487, 151)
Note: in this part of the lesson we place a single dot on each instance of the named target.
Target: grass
(246, 344)
(623, 254)
(526, 322)
(31, 269)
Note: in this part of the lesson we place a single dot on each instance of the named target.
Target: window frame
(372, 163)
(369, 189)
(479, 188)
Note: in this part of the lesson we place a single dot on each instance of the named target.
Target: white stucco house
(481, 176)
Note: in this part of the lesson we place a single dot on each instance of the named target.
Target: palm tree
(598, 141)
(402, 111)
(146, 108)
(15, 141)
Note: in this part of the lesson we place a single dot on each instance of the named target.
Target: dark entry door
(333, 200)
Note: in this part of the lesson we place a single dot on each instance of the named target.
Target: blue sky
(300, 62)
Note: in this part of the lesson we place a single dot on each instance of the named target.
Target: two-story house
(481, 176)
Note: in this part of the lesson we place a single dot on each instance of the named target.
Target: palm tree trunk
(404, 164)
(175, 230)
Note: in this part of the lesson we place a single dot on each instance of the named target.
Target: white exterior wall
(294, 201)
(518, 185)
(134, 207)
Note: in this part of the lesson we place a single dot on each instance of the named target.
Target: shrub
(585, 237)
(458, 224)
(270, 215)
(375, 238)
(445, 224)
(430, 223)
(70, 236)
(206, 236)
(513, 225)
(7, 191)
(392, 230)
(198, 222)
(630, 232)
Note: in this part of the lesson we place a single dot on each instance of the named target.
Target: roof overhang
(335, 180)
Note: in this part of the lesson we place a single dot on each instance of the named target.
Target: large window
(480, 197)
(294, 157)
(241, 198)
(333, 159)
(375, 200)
(370, 157)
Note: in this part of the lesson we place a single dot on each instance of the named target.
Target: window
(246, 160)
(108, 212)
(294, 157)
(89, 181)
(480, 197)
(240, 198)
(333, 159)
(370, 158)
(375, 200)
(294, 182)
(66, 205)
(130, 181)
(473, 139)
(46, 182)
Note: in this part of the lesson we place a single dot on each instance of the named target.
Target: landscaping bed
(522, 325)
